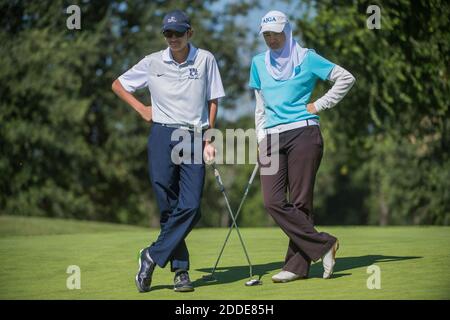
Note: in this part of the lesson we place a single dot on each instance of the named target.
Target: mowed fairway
(35, 254)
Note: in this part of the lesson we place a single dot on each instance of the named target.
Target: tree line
(71, 149)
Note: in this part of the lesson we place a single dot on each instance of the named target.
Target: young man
(185, 85)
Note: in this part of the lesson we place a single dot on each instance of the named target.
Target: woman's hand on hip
(311, 108)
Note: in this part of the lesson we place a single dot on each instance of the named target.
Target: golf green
(35, 254)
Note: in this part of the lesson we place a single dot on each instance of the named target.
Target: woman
(283, 78)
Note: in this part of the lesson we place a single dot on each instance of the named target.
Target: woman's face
(274, 40)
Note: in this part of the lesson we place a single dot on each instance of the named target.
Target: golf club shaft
(255, 170)
(234, 224)
(239, 234)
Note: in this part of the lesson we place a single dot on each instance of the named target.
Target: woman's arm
(144, 111)
(260, 119)
(343, 82)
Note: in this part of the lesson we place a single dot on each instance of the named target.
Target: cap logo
(269, 19)
(172, 19)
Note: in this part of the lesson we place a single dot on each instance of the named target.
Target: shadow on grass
(348, 263)
(241, 273)
(231, 274)
(154, 288)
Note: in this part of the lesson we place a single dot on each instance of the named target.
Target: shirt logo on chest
(193, 73)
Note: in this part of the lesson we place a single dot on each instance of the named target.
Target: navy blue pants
(178, 189)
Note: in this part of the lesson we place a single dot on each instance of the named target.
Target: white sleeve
(136, 77)
(214, 85)
(343, 82)
(260, 119)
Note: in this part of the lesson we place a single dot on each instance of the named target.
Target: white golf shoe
(285, 276)
(329, 260)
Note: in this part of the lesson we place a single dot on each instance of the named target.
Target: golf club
(210, 277)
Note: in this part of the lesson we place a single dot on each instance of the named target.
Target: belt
(290, 126)
(182, 126)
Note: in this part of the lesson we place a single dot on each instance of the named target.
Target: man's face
(177, 40)
(274, 40)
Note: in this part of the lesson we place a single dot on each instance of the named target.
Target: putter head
(253, 282)
(209, 278)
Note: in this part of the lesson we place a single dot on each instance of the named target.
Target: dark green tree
(70, 147)
(386, 157)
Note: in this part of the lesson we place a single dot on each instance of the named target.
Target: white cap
(273, 21)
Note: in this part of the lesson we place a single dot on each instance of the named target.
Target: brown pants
(300, 152)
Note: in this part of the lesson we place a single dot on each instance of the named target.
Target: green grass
(26, 226)
(35, 254)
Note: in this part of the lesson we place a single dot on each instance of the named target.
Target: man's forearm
(213, 105)
(127, 97)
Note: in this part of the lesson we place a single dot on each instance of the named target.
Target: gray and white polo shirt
(179, 92)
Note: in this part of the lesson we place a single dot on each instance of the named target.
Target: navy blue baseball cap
(176, 20)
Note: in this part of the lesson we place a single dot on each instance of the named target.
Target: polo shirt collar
(167, 55)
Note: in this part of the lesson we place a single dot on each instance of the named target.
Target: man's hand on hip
(146, 113)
